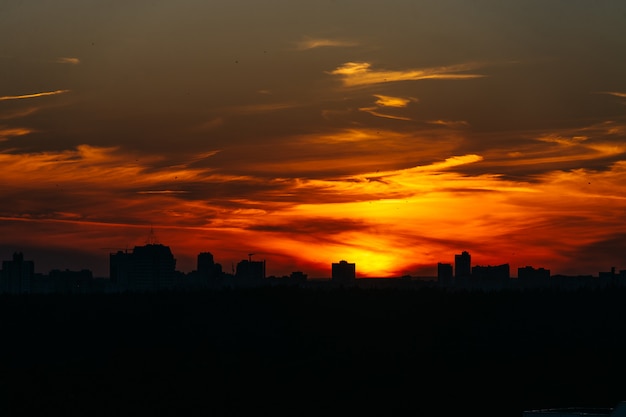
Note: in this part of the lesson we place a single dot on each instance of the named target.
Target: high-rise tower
(462, 265)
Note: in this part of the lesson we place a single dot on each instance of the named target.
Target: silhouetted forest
(278, 351)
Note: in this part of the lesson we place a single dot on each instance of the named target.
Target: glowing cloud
(567, 141)
(163, 192)
(361, 73)
(449, 123)
(7, 133)
(313, 43)
(18, 113)
(68, 60)
(373, 111)
(389, 222)
(34, 95)
(614, 93)
(389, 101)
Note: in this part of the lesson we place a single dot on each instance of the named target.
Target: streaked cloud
(68, 60)
(210, 124)
(614, 93)
(349, 135)
(567, 141)
(534, 153)
(374, 112)
(388, 101)
(449, 123)
(18, 113)
(34, 95)
(361, 73)
(8, 132)
(378, 219)
(263, 108)
(313, 43)
(453, 161)
(163, 192)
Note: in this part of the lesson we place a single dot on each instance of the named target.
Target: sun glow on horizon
(389, 223)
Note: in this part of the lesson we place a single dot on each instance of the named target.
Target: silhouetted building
(205, 263)
(528, 273)
(17, 275)
(491, 273)
(462, 265)
(444, 274)
(120, 267)
(71, 282)
(207, 268)
(153, 268)
(148, 268)
(343, 272)
(298, 276)
(250, 270)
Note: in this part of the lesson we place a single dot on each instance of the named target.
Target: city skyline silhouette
(339, 207)
(153, 267)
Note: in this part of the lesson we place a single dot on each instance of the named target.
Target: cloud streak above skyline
(325, 138)
(33, 95)
(313, 43)
(360, 73)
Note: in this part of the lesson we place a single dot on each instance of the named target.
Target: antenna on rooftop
(152, 239)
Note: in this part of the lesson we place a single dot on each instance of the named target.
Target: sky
(389, 134)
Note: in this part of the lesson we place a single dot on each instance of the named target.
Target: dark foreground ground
(285, 351)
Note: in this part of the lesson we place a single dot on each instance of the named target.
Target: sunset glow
(327, 139)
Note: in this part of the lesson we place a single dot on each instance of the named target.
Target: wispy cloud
(378, 219)
(34, 95)
(210, 124)
(8, 132)
(68, 60)
(595, 146)
(451, 162)
(614, 93)
(163, 192)
(561, 140)
(264, 108)
(313, 43)
(16, 114)
(388, 101)
(361, 73)
(449, 123)
(374, 112)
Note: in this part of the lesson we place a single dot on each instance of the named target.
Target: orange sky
(390, 135)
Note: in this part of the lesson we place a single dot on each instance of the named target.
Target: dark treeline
(287, 350)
